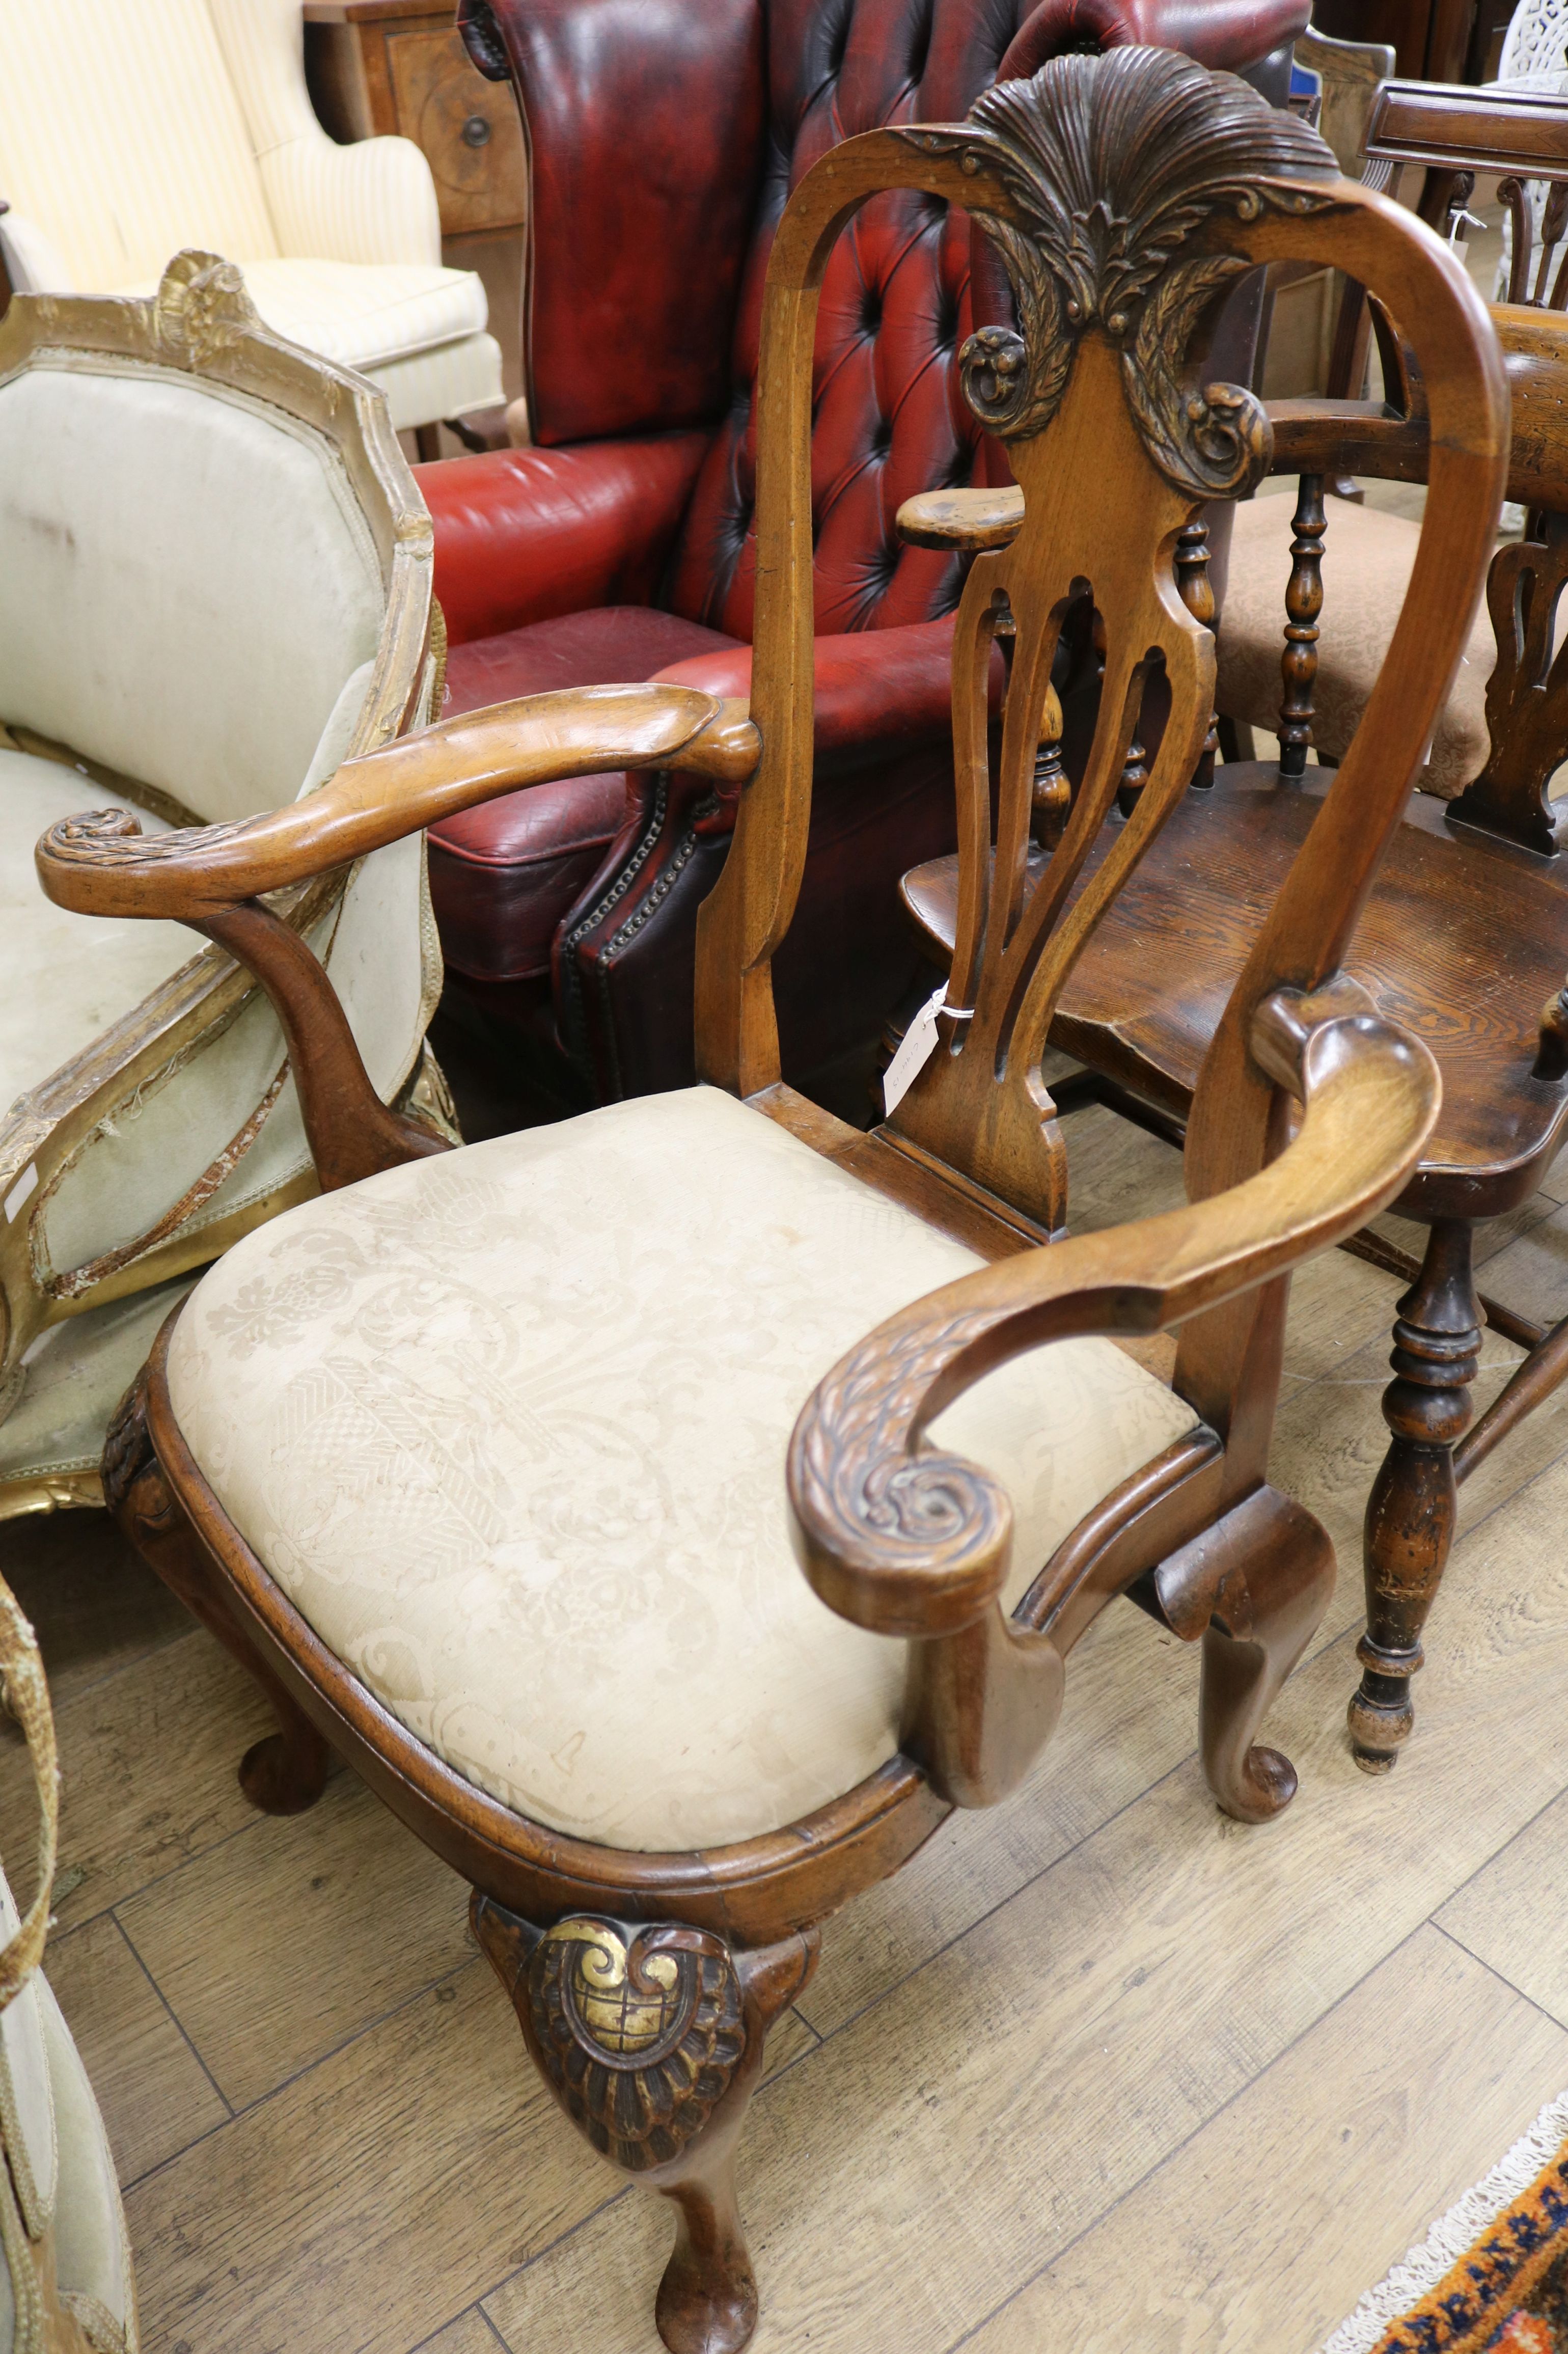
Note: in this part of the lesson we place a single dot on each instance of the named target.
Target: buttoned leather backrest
(894, 309)
(646, 117)
(122, 137)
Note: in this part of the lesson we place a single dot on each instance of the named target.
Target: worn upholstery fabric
(58, 2177)
(189, 580)
(1367, 559)
(74, 1375)
(73, 975)
(509, 1428)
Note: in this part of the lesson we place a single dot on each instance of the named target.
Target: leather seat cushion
(501, 877)
(509, 1428)
(1367, 560)
(70, 977)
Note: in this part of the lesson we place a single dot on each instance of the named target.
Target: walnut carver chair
(487, 1473)
(215, 583)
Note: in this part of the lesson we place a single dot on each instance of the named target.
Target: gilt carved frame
(200, 324)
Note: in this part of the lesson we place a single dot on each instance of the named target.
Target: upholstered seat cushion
(360, 313)
(509, 1428)
(72, 976)
(1367, 560)
(503, 876)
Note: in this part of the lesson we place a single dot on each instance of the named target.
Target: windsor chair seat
(1194, 910)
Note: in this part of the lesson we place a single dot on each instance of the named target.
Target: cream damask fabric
(509, 1428)
(1367, 560)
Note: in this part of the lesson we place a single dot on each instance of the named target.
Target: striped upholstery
(122, 137)
(372, 202)
(129, 129)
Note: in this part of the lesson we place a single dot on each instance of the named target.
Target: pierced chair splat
(674, 1578)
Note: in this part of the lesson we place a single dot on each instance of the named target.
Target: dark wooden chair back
(1126, 192)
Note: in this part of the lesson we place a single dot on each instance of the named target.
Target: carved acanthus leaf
(1113, 163)
(638, 2031)
(863, 1487)
(202, 309)
(113, 837)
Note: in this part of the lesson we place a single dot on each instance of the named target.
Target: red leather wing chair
(664, 136)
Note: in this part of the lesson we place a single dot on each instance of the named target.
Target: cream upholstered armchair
(215, 578)
(65, 2281)
(131, 128)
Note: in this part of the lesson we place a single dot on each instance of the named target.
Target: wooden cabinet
(399, 66)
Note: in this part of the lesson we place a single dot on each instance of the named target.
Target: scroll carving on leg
(651, 2037)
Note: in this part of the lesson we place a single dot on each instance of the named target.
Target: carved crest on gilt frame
(1112, 175)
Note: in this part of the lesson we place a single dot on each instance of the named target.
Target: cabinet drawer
(467, 126)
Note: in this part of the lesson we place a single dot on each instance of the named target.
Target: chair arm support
(525, 535)
(100, 864)
(907, 1541)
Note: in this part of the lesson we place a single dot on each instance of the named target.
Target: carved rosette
(638, 2031)
(202, 309)
(869, 1500)
(1113, 165)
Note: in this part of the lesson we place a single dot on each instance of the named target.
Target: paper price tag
(920, 1045)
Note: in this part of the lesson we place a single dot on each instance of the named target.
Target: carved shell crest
(640, 2032)
(1114, 162)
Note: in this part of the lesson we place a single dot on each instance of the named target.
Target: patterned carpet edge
(1375, 2325)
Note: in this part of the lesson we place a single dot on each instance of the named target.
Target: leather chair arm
(524, 535)
(913, 1543)
(875, 690)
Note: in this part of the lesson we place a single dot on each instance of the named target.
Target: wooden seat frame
(1126, 192)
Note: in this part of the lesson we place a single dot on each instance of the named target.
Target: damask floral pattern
(509, 1426)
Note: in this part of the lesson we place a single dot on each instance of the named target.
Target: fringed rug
(1492, 2276)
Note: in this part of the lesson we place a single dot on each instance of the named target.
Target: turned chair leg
(286, 1771)
(1412, 1509)
(651, 2037)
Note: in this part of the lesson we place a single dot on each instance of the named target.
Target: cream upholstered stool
(214, 583)
(66, 2284)
(130, 128)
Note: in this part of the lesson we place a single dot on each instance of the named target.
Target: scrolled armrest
(911, 1542)
(100, 864)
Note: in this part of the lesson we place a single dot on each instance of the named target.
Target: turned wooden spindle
(1198, 595)
(1053, 794)
(1303, 603)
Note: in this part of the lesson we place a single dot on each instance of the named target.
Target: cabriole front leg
(651, 2037)
(286, 1771)
(1412, 1509)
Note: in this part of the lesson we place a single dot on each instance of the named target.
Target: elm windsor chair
(481, 1462)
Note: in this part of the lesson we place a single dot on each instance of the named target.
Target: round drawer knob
(476, 132)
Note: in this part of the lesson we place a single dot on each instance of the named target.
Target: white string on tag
(917, 1046)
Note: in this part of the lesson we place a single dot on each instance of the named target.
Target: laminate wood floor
(1101, 2070)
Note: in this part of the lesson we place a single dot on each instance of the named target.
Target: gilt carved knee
(651, 2037)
